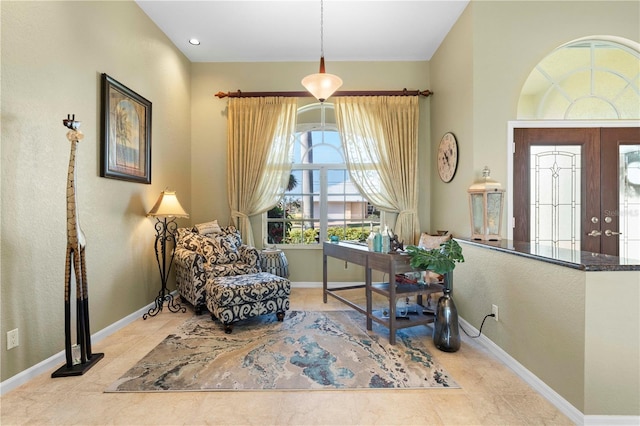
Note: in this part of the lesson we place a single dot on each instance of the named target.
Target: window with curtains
(321, 200)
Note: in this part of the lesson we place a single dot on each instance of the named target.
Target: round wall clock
(447, 157)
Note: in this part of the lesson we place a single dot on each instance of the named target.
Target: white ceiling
(267, 30)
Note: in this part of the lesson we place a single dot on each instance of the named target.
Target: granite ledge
(583, 260)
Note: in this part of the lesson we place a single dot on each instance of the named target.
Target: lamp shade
(322, 85)
(168, 206)
(486, 198)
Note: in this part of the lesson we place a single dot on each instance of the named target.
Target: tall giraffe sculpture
(76, 244)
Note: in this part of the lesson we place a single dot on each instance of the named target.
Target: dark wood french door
(572, 190)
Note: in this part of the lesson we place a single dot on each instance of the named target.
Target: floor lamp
(166, 210)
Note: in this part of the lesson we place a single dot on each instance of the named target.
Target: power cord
(480, 331)
(465, 331)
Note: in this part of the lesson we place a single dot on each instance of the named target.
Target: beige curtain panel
(380, 139)
(260, 139)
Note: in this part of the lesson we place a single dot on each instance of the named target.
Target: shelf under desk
(389, 263)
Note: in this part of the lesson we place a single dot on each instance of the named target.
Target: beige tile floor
(490, 394)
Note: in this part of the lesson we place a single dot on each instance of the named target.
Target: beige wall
(479, 70)
(612, 343)
(546, 324)
(209, 133)
(541, 322)
(452, 111)
(577, 331)
(52, 56)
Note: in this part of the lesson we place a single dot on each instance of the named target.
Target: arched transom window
(584, 79)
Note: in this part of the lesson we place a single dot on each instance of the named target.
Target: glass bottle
(370, 238)
(385, 240)
(377, 241)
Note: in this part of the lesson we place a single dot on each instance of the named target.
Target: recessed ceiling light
(194, 41)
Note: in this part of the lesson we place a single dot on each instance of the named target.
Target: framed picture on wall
(126, 133)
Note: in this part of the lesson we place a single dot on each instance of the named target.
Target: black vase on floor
(446, 333)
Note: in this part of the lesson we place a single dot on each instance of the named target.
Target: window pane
(318, 147)
(348, 212)
(303, 198)
(477, 201)
(303, 232)
(588, 79)
(321, 200)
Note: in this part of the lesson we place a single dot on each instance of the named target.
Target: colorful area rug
(309, 350)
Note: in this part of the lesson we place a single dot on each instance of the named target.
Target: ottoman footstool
(239, 297)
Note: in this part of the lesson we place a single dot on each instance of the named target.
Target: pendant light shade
(322, 85)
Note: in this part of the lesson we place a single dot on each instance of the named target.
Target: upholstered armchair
(201, 257)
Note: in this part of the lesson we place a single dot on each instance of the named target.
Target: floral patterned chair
(202, 257)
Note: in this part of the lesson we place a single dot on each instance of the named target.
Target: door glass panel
(629, 208)
(555, 195)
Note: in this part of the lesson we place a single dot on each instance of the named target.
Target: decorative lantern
(485, 204)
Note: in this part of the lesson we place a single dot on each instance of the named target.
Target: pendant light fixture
(322, 85)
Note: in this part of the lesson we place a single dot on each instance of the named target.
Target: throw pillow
(233, 234)
(432, 241)
(221, 249)
(208, 227)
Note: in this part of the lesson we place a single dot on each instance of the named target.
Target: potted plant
(441, 260)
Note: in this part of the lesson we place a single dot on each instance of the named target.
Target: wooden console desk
(389, 263)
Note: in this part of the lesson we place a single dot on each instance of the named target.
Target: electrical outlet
(12, 339)
(494, 311)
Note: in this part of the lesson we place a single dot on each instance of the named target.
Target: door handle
(594, 233)
(610, 233)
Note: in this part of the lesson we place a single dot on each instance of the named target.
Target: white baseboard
(612, 420)
(543, 389)
(60, 358)
(305, 284)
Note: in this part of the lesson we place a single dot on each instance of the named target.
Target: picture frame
(126, 133)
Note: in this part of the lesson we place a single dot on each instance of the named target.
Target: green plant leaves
(440, 260)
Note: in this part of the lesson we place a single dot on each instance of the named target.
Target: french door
(578, 188)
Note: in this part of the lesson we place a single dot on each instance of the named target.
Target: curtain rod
(302, 94)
